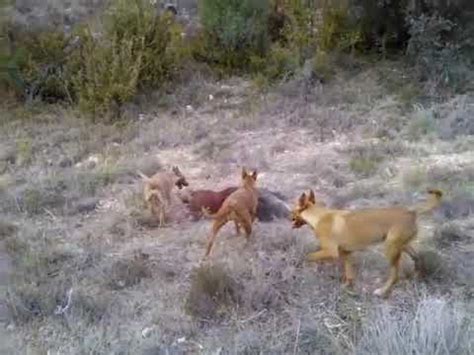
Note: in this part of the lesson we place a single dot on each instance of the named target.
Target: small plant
(322, 65)
(280, 63)
(414, 178)
(423, 123)
(24, 151)
(212, 291)
(366, 160)
(363, 166)
(128, 273)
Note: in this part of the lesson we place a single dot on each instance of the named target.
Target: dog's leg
(164, 202)
(162, 215)
(322, 255)
(244, 218)
(237, 227)
(329, 251)
(393, 252)
(349, 273)
(218, 224)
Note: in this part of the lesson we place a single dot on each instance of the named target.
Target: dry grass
(93, 274)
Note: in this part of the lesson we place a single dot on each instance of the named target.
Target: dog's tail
(434, 200)
(143, 176)
(219, 214)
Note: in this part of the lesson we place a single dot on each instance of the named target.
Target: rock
(7, 154)
(271, 205)
(87, 204)
(65, 162)
(7, 228)
(146, 332)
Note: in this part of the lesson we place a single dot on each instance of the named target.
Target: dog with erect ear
(240, 207)
(157, 190)
(341, 232)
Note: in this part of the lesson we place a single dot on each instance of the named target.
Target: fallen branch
(295, 348)
(61, 310)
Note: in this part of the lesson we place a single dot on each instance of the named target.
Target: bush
(156, 39)
(234, 31)
(108, 76)
(139, 50)
(300, 28)
(213, 292)
(38, 67)
(338, 30)
(435, 327)
(434, 51)
(279, 63)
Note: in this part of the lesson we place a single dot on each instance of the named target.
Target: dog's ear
(254, 175)
(244, 173)
(175, 170)
(311, 197)
(302, 200)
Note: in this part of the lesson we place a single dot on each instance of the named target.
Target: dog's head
(180, 179)
(249, 179)
(304, 202)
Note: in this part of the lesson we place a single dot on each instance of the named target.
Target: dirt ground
(92, 273)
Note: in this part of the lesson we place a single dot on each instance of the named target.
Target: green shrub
(322, 65)
(156, 39)
(38, 67)
(338, 30)
(435, 53)
(108, 76)
(135, 50)
(279, 63)
(299, 32)
(138, 50)
(234, 31)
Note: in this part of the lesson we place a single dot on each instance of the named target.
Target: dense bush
(434, 50)
(157, 39)
(101, 70)
(108, 75)
(41, 60)
(234, 31)
(136, 49)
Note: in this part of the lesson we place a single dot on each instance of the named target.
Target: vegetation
(135, 49)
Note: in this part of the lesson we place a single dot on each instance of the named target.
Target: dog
(342, 232)
(210, 200)
(240, 206)
(157, 190)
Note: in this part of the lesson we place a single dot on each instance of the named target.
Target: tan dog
(342, 232)
(240, 207)
(157, 190)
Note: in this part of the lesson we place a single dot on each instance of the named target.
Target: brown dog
(157, 190)
(210, 200)
(342, 232)
(240, 207)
